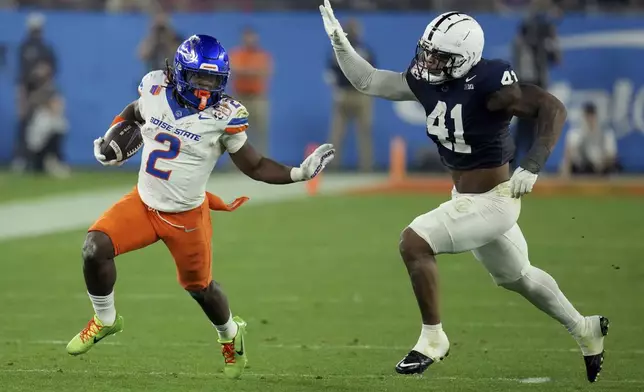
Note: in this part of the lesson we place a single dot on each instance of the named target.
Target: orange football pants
(132, 225)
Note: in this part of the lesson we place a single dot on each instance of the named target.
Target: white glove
(100, 157)
(522, 182)
(332, 26)
(314, 163)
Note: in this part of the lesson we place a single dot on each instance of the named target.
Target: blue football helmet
(201, 70)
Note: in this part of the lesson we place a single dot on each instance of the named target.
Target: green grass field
(19, 187)
(329, 305)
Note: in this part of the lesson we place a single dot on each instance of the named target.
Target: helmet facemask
(205, 84)
(433, 65)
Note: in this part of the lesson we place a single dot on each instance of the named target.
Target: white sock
(543, 292)
(104, 308)
(432, 342)
(588, 335)
(227, 331)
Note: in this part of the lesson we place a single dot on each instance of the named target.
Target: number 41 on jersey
(451, 136)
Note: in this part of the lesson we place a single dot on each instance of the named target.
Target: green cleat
(93, 333)
(234, 351)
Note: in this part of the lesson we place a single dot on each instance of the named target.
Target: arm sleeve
(369, 80)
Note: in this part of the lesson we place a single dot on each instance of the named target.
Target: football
(122, 141)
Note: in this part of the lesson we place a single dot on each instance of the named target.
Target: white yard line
(74, 211)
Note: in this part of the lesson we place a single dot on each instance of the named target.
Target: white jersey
(181, 146)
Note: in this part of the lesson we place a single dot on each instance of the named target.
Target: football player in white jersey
(469, 102)
(187, 124)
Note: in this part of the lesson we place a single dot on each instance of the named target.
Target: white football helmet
(450, 46)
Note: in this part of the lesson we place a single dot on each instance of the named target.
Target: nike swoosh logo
(204, 118)
(241, 352)
(406, 365)
(468, 79)
(98, 340)
(190, 230)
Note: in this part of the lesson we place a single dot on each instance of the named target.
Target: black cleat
(415, 363)
(594, 362)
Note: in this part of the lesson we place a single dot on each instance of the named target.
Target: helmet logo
(188, 53)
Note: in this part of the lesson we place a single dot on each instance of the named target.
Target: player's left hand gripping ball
(98, 143)
(522, 182)
(314, 163)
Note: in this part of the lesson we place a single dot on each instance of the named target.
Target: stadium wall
(99, 73)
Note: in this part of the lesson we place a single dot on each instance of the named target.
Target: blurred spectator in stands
(45, 134)
(591, 148)
(511, 5)
(351, 105)
(37, 68)
(126, 5)
(308, 5)
(252, 67)
(160, 44)
(535, 50)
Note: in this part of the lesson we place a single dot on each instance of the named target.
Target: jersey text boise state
(179, 132)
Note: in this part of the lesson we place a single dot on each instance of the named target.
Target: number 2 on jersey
(171, 153)
(450, 137)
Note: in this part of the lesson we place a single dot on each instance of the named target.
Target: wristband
(536, 158)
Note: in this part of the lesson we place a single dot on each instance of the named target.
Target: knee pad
(426, 231)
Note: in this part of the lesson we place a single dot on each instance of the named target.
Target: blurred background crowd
(42, 126)
(281, 5)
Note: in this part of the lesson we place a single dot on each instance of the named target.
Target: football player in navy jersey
(469, 102)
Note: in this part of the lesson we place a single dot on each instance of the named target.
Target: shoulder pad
(495, 74)
(234, 113)
(152, 83)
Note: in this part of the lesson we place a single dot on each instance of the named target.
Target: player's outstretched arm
(530, 101)
(260, 168)
(362, 75)
(130, 112)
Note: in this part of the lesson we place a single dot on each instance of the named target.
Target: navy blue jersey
(467, 134)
